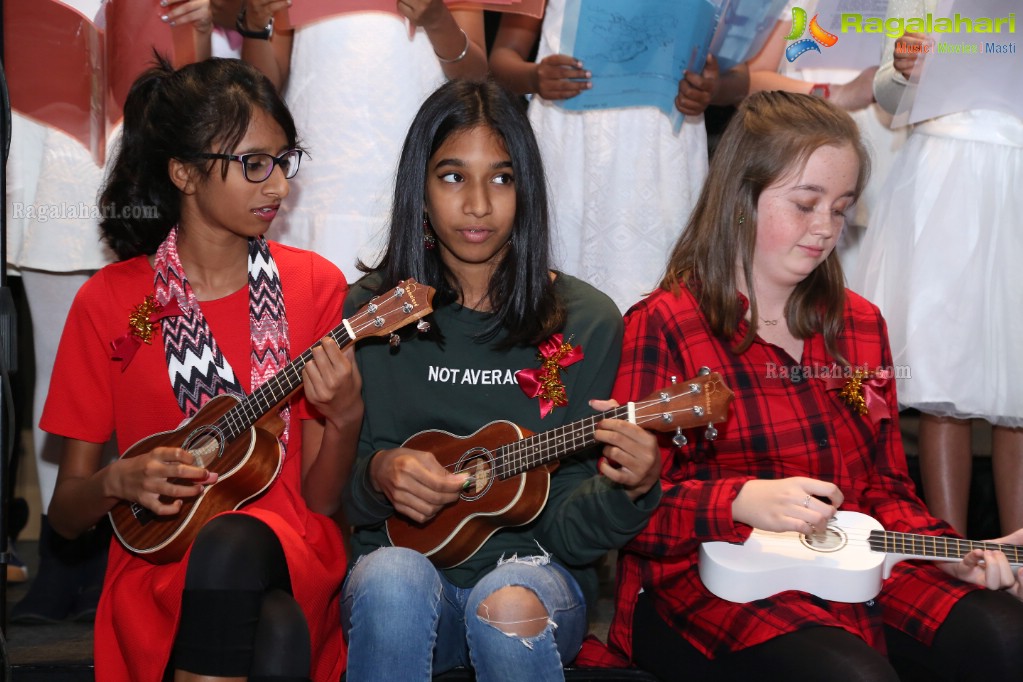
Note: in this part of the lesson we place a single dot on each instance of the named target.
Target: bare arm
(272, 57)
(85, 491)
(334, 387)
(197, 13)
(557, 76)
(456, 36)
(763, 73)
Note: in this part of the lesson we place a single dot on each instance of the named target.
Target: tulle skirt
(943, 259)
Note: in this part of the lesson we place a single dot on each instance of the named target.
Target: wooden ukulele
(846, 562)
(237, 437)
(510, 467)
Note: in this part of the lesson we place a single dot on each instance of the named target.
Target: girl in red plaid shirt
(754, 290)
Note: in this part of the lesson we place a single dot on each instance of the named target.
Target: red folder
(65, 72)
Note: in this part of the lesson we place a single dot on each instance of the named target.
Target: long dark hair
(202, 107)
(771, 134)
(521, 293)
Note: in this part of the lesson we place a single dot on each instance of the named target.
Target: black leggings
(982, 638)
(238, 616)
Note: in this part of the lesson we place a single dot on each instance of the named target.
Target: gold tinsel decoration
(852, 392)
(550, 378)
(139, 321)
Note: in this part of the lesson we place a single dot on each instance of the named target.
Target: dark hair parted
(522, 296)
(772, 134)
(178, 114)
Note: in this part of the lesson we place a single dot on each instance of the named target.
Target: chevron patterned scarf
(198, 370)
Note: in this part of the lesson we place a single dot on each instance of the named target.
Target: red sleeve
(79, 403)
(691, 510)
(314, 293)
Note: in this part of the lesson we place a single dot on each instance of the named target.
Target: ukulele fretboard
(936, 547)
(541, 448)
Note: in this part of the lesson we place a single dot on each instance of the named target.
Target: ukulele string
(579, 428)
(889, 541)
(237, 418)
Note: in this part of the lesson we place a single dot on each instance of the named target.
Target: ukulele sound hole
(205, 443)
(479, 464)
(831, 539)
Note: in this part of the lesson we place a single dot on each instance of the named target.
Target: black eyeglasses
(257, 167)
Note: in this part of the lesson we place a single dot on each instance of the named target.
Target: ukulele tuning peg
(674, 380)
(711, 433)
(423, 326)
(704, 371)
(679, 438)
(394, 340)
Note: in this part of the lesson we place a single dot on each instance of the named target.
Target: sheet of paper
(855, 51)
(744, 27)
(967, 70)
(962, 74)
(637, 51)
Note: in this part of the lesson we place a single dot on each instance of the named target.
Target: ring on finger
(806, 501)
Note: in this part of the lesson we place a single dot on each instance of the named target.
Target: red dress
(91, 397)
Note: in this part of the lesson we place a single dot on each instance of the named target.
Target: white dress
(942, 262)
(622, 184)
(356, 83)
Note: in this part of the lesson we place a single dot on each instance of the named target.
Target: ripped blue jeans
(405, 621)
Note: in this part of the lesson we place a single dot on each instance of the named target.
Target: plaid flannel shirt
(781, 423)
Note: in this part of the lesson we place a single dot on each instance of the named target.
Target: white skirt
(940, 259)
(622, 184)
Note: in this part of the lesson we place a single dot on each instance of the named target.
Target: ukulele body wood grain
(246, 466)
(510, 467)
(236, 437)
(460, 529)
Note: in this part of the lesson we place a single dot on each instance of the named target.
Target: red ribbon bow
(545, 382)
(862, 392)
(141, 324)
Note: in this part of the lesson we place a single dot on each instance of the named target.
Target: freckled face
(470, 199)
(801, 216)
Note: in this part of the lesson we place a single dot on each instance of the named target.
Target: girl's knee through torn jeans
(405, 621)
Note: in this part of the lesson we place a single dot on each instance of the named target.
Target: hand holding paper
(561, 77)
(425, 13)
(195, 12)
(908, 50)
(696, 90)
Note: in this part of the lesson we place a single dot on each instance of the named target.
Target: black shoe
(52, 592)
(84, 608)
(69, 578)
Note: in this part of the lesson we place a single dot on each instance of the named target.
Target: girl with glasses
(199, 305)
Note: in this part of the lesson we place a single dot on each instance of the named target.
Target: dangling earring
(742, 217)
(429, 240)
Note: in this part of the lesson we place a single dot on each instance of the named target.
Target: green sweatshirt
(461, 385)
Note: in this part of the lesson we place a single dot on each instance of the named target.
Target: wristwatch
(261, 34)
(822, 90)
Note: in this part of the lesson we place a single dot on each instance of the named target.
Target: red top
(778, 426)
(90, 398)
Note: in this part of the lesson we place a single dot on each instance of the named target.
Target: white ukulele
(847, 562)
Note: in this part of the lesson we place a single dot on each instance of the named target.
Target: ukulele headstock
(704, 399)
(386, 313)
